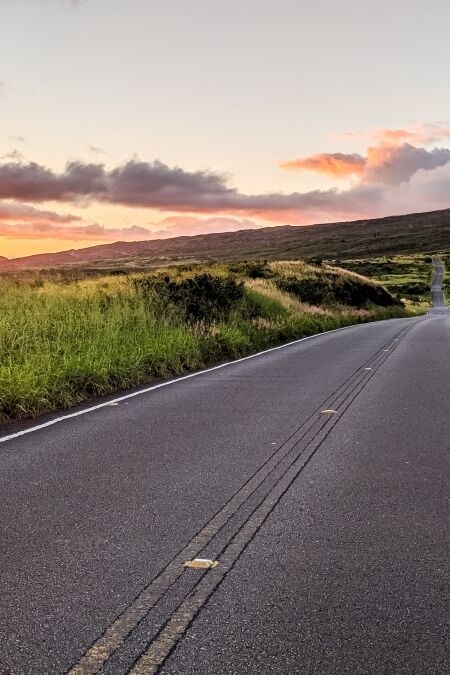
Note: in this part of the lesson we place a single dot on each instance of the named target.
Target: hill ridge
(390, 234)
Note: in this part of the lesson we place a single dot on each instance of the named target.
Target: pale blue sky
(234, 86)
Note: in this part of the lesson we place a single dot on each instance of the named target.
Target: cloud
(426, 191)
(96, 150)
(15, 155)
(20, 221)
(417, 133)
(396, 164)
(204, 201)
(25, 221)
(17, 139)
(331, 164)
(157, 186)
(11, 211)
(93, 233)
(384, 163)
(177, 226)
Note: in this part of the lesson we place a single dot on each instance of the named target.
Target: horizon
(190, 236)
(177, 133)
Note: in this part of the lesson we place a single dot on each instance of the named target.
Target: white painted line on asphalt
(140, 392)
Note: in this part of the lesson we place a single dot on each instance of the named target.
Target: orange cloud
(386, 162)
(331, 164)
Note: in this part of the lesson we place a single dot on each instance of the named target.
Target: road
(316, 474)
(437, 295)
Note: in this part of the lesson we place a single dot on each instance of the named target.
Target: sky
(157, 118)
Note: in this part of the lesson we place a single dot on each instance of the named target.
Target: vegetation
(65, 339)
(406, 277)
(446, 284)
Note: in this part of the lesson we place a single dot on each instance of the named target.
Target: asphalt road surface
(437, 295)
(316, 475)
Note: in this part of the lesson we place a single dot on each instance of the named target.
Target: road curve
(315, 474)
(437, 295)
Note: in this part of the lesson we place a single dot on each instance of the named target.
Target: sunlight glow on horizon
(228, 91)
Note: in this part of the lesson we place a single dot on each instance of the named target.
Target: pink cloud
(12, 211)
(417, 133)
(177, 226)
(22, 221)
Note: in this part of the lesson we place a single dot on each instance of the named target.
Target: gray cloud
(96, 150)
(11, 211)
(15, 155)
(396, 164)
(157, 186)
(151, 185)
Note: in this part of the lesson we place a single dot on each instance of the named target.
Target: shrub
(254, 269)
(203, 297)
(413, 288)
(331, 289)
(315, 261)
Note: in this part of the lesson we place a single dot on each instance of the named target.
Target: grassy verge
(445, 257)
(406, 277)
(64, 341)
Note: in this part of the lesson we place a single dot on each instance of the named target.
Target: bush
(254, 269)
(203, 297)
(315, 261)
(330, 289)
(414, 288)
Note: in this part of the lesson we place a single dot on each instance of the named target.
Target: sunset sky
(126, 120)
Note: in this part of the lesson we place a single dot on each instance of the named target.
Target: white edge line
(69, 416)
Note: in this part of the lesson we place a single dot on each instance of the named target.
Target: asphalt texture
(330, 528)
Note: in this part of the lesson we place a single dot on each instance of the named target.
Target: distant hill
(395, 234)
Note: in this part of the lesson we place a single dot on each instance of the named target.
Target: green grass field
(407, 277)
(64, 340)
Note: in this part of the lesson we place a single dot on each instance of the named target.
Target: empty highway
(315, 475)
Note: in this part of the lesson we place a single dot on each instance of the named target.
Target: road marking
(119, 399)
(118, 632)
(151, 660)
(201, 564)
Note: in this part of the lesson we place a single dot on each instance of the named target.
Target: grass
(446, 283)
(406, 277)
(64, 340)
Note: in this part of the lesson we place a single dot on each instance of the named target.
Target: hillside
(395, 234)
(68, 340)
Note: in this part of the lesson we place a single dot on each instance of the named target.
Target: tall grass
(64, 342)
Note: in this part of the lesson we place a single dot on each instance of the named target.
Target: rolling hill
(395, 234)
